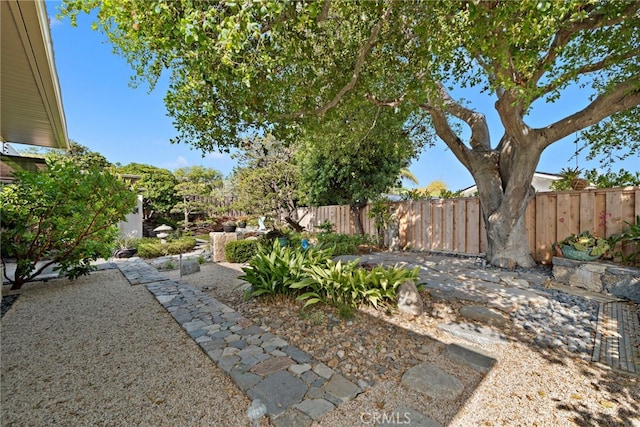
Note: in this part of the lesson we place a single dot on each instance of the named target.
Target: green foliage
(153, 247)
(273, 269)
(612, 179)
(629, 238)
(342, 244)
(81, 156)
(351, 80)
(349, 285)
(448, 194)
(326, 227)
(585, 241)
(240, 250)
(157, 187)
(196, 184)
(65, 215)
(354, 153)
(380, 212)
(267, 178)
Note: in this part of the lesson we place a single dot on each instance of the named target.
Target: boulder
(409, 300)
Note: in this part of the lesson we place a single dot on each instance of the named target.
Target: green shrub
(65, 216)
(153, 248)
(274, 268)
(342, 244)
(346, 286)
(240, 250)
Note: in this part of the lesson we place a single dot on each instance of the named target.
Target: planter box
(606, 277)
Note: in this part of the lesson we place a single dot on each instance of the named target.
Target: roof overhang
(30, 97)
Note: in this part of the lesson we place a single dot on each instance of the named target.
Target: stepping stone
(474, 333)
(315, 408)
(278, 391)
(292, 418)
(483, 315)
(432, 381)
(475, 358)
(341, 388)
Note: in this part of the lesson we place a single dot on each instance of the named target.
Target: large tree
(240, 66)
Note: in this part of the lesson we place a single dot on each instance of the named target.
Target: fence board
(459, 226)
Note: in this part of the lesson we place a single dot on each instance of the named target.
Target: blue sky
(129, 125)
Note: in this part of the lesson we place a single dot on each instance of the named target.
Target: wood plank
(597, 345)
(565, 223)
(473, 226)
(448, 235)
(613, 213)
(437, 225)
(460, 225)
(427, 227)
(587, 211)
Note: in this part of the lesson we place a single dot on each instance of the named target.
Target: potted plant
(583, 247)
(125, 248)
(242, 221)
(229, 226)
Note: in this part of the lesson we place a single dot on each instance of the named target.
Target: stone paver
(432, 381)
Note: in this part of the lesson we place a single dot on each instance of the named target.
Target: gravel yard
(101, 352)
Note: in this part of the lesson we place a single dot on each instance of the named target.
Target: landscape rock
(483, 315)
(409, 300)
(189, 266)
(432, 381)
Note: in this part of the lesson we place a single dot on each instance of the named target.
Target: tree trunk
(355, 209)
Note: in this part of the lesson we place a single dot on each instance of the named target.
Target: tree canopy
(157, 187)
(267, 179)
(239, 67)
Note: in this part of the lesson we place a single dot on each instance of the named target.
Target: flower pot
(229, 228)
(574, 254)
(125, 252)
(242, 224)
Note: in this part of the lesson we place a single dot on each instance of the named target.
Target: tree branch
(362, 53)
(480, 139)
(624, 96)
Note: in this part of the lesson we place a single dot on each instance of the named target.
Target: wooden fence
(456, 225)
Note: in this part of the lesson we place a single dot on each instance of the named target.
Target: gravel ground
(100, 352)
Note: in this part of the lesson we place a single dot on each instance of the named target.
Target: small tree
(267, 179)
(64, 215)
(194, 184)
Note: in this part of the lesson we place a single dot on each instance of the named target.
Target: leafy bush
(273, 269)
(342, 244)
(240, 250)
(153, 248)
(348, 285)
(65, 216)
(630, 240)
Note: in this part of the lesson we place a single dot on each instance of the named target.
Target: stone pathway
(295, 388)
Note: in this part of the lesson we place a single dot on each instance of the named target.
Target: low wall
(599, 276)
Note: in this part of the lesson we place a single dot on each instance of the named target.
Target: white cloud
(179, 163)
(216, 155)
